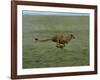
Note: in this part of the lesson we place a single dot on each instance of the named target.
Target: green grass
(45, 54)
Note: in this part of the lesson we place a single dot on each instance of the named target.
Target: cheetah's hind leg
(60, 46)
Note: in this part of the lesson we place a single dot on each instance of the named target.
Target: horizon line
(29, 12)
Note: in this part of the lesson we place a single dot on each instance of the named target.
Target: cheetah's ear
(72, 36)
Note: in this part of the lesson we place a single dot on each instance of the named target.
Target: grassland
(45, 54)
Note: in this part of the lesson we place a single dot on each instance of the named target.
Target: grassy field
(45, 54)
